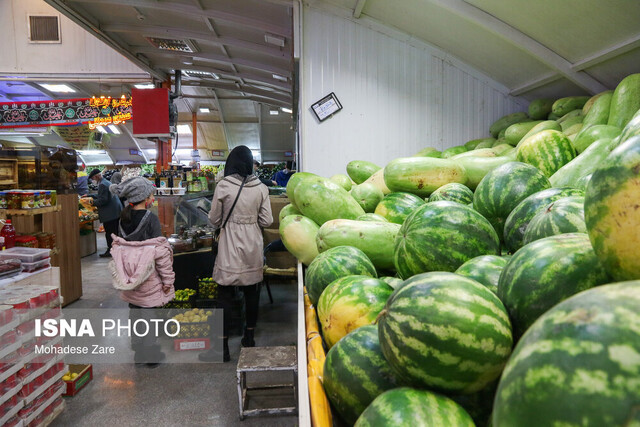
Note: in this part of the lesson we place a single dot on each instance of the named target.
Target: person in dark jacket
(256, 166)
(109, 208)
(282, 178)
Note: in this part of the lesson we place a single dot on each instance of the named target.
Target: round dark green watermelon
(396, 207)
(453, 192)
(546, 272)
(612, 211)
(445, 332)
(333, 264)
(484, 269)
(578, 365)
(356, 372)
(441, 236)
(565, 215)
(348, 303)
(406, 406)
(503, 188)
(519, 218)
(394, 282)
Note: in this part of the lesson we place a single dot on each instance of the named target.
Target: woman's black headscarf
(240, 161)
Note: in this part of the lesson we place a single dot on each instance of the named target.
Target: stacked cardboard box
(277, 259)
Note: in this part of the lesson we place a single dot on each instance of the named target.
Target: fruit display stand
(30, 384)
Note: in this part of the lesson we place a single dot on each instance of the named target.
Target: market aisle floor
(174, 394)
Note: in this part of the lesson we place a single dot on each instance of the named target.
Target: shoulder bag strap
(234, 203)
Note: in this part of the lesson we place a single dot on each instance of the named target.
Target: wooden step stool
(266, 359)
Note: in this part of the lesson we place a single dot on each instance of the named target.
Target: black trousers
(110, 227)
(251, 304)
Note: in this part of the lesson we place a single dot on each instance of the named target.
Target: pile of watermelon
(494, 283)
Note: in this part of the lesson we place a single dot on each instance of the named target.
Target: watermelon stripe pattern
(565, 215)
(445, 332)
(577, 365)
(548, 151)
(441, 236)
(396, 207)
(453, 192)
(503, 188)
(356, 372)
(410, 407)
(348, 303)
(485, 270)
(546, 272)
(518, 220)
(611, 210)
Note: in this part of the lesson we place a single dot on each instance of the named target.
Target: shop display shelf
(37, 392)
(32, 212)
(10, 280)
(11, 412)
(44, 406)
(8, 395)
(9, 326)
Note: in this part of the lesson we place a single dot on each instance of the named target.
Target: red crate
(85, 375)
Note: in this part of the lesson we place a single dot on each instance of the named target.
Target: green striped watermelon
(484, 269)
(565, 215)
(348, 303)
(372, 217)
(394, 282)
(548, 151)
(445, 332)
(521, 215)
(578, 365)
(545, 272)
(441, 236)
(355, 372)
(367, 195)
(453, 192)
(612, 211)
(417, 408)
(396, 207)
(503, 188)
(334, 264)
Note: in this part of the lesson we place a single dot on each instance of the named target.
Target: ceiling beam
(84, 21)
(217, 58)
(239, 75)
(261, 99)
(534, 84)
(232, 121)
(181, 8)
(357, 11)
(608, 53)
(521, 40)
(182, 33)
(224, 126)
(233, 87)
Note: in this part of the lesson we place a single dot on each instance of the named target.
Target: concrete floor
(176, 394)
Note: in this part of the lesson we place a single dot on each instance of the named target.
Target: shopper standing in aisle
(240, 207)
(109, 208)
(142, 265)
(282, 177)
(256, 166)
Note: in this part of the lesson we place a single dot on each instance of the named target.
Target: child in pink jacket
(142, 265)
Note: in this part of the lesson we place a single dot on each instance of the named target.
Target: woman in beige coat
(240, 259)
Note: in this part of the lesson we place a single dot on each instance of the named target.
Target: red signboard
(151, 112)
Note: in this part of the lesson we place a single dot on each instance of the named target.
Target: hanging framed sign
(326, 107)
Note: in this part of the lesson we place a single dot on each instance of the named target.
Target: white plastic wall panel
(398, 98)
(78, 53)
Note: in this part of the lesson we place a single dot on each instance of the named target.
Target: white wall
(399, 95)
(79, 53)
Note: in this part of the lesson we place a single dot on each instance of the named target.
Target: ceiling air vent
(175, 45)
(44, 29)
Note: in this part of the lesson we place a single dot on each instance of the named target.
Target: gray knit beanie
(134, 190)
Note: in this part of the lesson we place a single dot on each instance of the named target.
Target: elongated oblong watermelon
(296, 179)
(562, 216)
(445, 332)
(356, 372)
(546, 272)
(441, 236)
(452, 151)
(422, 175)
(396, 207)
(333, 264)
(372, 217)
(586, 162)
(518, 220)
(540, 108)
(367, 195)
(612, 210)
(503, 188)
(375, 239)
(360, 170)
(288, 210)
(484, 269)
(322, 200)
(348, 303)
(298, 234)
(625, 101)
(505, 121)
(478, 167)
(577, 365)
(565, 105)
(587, 137)
(342, 180)
(548, 151)
(411, 407)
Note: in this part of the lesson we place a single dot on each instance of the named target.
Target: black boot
(213, 354)
(247, 339)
